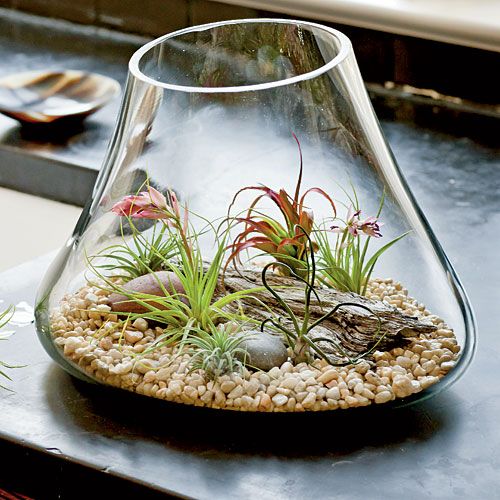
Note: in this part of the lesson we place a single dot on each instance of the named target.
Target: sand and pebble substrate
(86, 331)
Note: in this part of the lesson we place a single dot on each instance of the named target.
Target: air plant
(153, 205)
(5, 317)
(298, 329)
(141, 256)
(196, 306)
(216, 351)
(286, 242)
(346, 265)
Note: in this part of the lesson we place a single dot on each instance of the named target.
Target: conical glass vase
(223, 260)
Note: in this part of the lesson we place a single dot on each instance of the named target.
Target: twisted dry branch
(351, 326)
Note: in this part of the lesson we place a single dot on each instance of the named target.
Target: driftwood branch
(353, 327)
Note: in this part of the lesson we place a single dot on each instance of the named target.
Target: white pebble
(133, 336)
(141, 324)
(383, 397)
(333, 393)
(280, 399)
(402, 386)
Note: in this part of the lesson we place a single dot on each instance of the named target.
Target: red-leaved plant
(287, 242)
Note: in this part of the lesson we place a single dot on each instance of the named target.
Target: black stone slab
(448, 447)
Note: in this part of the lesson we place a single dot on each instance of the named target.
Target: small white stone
(280, 399)
(106, 343)
(359, 388)
(133, 336)
(227, 386)
(144, 365)
(362, 367)
(367, 394)
(306, 374)
(418, 371)
(92, 298)
(372, 378)
(207, 397)
(383, 397)
(402, 386)
(103, 308)
(351, 401)
(71, 344)
(354, 382)
(333, 393)
(290, 383)
(328, 376)
(141, 324)
(403, 361)
(429, 366)
(246, 401)
(237, 392)
(309, 400)
(447, 365)
(252, 386)
(122, 368)
(265, 402)
(428, 381)
(176, 386)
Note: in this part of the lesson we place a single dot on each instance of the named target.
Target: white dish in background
(50, 96)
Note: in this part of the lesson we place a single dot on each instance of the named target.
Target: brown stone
(147, 284)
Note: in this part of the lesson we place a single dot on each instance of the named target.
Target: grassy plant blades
(199, 281)
(141, 256)
(5, 317)
(298, 335)
(345, 265)
(217, 352)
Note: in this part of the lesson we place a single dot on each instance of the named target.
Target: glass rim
(345, 47)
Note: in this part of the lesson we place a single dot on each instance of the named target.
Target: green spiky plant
(5, 317)
(197, 305)
(217, 352)
(346, 264)
(129, 260)
(297, 336)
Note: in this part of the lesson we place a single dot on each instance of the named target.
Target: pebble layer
(88, 334)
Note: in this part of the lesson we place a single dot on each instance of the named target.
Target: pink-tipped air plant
(285, 242)
(151, 204)
(354, 225)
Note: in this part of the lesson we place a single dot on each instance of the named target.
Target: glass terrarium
(250, 243)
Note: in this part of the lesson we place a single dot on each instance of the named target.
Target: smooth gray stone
(264, 351)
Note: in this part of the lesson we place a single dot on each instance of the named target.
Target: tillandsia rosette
(286, 242)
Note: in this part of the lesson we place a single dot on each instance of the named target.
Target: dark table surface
(447, 447)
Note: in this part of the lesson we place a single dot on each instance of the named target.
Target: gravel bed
(88, 333)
